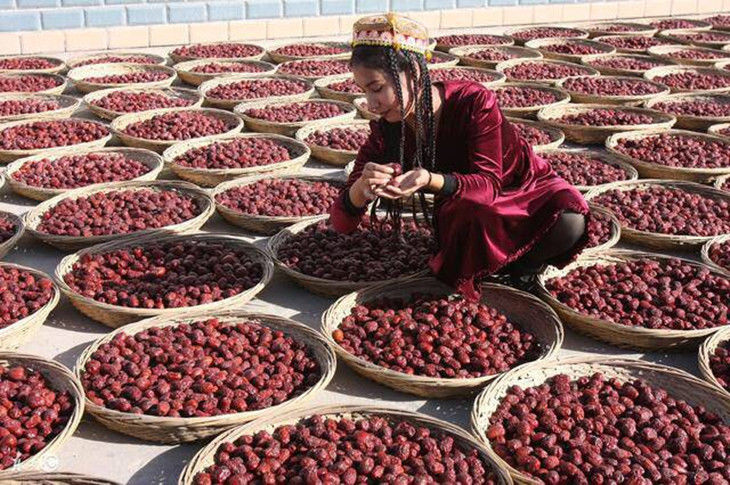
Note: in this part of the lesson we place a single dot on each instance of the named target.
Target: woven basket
(60, 65)
(146, 157)
(7, 156)
(211, 177)
(187, 75)
(207, 86)
(76, 61)
(678, 383)
(606, 157)
(7, 246)
(651, 74)
(159, 146)
(60, 87)
(716, 129)
(177, 58)
(502, 66)
(35, 216)
(115, 316)
(289, 129)
(720, 181)
(615, 232)
(657, 241)
(322, 86)
(279, 58)
(68, 104)
(707, 350)
(206, 456)
(281, 69)
(361, 105)
(587, 135)
(612, 71)
(583, 34)
(606, 38)
(464, 54)
(107, 114)
(657, 171)
(541, 44)
(530, 112)
(79, 75)
(698, 25)
(625, 100)
(163, 429)
(442, 60)
(525, 310)
(53, 478)
(677, 36)
(497, 77)
(2, 179)
(503, 40)
(694, 123)
(705, 252)
(61, 379)
(556, 135)
(338, 158)
(667, 51)
(723, 65)
(321, 286)
(597, 30)
(20, 332)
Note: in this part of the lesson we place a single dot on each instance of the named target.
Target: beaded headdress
(392, 30)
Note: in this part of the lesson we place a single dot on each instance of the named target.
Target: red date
(546, 32)
(462, 74)
(22, 294)
(257, 88)
(134, 102)
(14, 107)
(225, 50)
(237, 153)
(26, 63)
(49, 134)
(523, 96)
(456, 40)
(297, 112)
(313, 68)
(611, 86)
(177, 125)
(530, 71)
(281, 198)
(28, 83)
(584, 169)
(606, 117)
(677, 150)
(310, 50)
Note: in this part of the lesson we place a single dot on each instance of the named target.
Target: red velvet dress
(507, 198)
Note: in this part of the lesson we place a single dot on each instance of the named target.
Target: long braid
(430, 157)
(420, 132)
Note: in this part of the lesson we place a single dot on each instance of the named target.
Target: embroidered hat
(393, 30)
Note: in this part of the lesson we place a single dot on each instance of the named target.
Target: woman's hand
(405, 184)
(373, 177)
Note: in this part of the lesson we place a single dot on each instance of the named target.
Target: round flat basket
(80, 76)
(34, 217)
(362, 109)
(67, 106)
(119, 124)
(504, 66)
(530, 112)
(657, 171)
(7, 245)
(543, 45)
(521, 308)
(723, 65)
(570, 33)
(187, 73)
(115, 316)
(91, 99)
(615, 232)
(690, 122)
(441, 60)
(206, 456)
(669, 52)
(481, 40)
(610, 39)
(720, 40)
(20, 332)
(657, 73)
(696, 24)
(58, 64)
(323, 88)
(557, 137)
(227, 103)
(320, 286)
(152, 160)
(595, 62)
(658, 241)
(59, 88)
(289, 128)
(58, 378)
(587, 135)
(466, 54)
(178, 56)
(7, 156)
(299, 154)
(678, 383)
(117, 57)
(707, 350)
(164, 429)
(625, 100)
(278, 57)
(604, 156)
(722, 130)
(707, 248)
(53, 478)
(623, 28)
(331, 156)
(290, 68)
(496, 78)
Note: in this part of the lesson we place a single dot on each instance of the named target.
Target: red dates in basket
(296, 112)
(606, 117)
(456, 40)
(313, 68)
(227, 50)
(492, 54)
(281, 198)
(694, 107)
(600, 229)
(134, 102)
(177, 125)
(720, 365)
(718, 21)
(129, 78)
(670, 24)
(532, 135)
(462, 74)
(257, 88)
(677, 150)
(611, 86)
(720, 254)
(310, 50)
(237, 153)
(523, 97)
(627, 63)
(49, 134)
(29, 83)
(694, 81)
(347, 86)
(26, 63)
(530, 71)
(339, 138)
(698, 54)
(634, 42)
(111, 59)
(573, 48)
(14, 107)
(8, 228)
(584, 169)
(237, 67)
(546, 32)
(22, 294)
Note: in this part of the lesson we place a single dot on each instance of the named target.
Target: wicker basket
(528, 312)
(35, 216)
(582, 34)
(289, 129)
(677, 382)
(361, 105)
(502, 40)
(222, 103)
(685, 37)
(626, 100)
(79, 61)
(497, 77)
(206, 456)
(657, 171)
(119, 124)
(607, 38)
(79, 75)
(60, 379)
(652, 74)
(667, 52)
(2, 179)
(689, 122)
(59, 88)
(705, 252)
(657, 241)
(282, 68)
(503, 66)
(716, 129)
(115, 316)
(68, 104)
(211, 177)
(442, 60)
(464, 54)
(7, 156)
(612, 71)
(723, 65)
(163, 429)
(322, 86)
(707, 350)
(541, 44)
(59, 65)
(18, 333)
(279, 58)
(557, 136)
(530, 112)
(7, 246)
(720, 181)
(187, 75)
(606, 157)
(615, 232)
(698, 25)
(338, 158)
(107, 114)
(603, 28)
(177, 58)
(53, 478)
(587, 135)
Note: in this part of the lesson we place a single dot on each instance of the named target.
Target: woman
(498, 207)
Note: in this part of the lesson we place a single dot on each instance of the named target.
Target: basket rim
(52, 150)
(306, 130)
(74, 61)
(667, 70)
(604, 156)
(58, 478)
(628, 97)
(7, 245)
(547, 114)
(708, 348)
(77, 74)
(504, 65)
(60, 64)
(594, 28)
(719, 181)
(663, 51)
(527, 28)
(186, 66)
(215, 82)
(563, 96)
(322, 85)
(49, 306)
(281, 58)
(465, 50)
(59, 88)
(724, 98)
(90, 98)
(716, 128)
(590, 61)
(557, 135)
(241, 108)
(66, 102)
(615, 230)
(705, 253)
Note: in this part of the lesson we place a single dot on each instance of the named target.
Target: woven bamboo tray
(163, 429)
(657, 241)
(707, 350)
(59, 88)
(35, 216)
(59, 65)
(68, 104)
(115, 316)
(79, 75)
(7, 156)
(146, 157)
(720, 181)
(678, 383)
(667, 52)
(600, 29)
(206, 456)
(656, 72)
(503, 66)
(621, 50)
(289, 129)
(615, 232)
(299, 153)
(322, 86)
(442, 60)
(361, 105)
(464, 54)
(8, 245)
(530, 112)
(107, 114)
(541, 44)
(221, 103)
(281, 69)
(694, 123)
(716, 129)
(525, 310)
(279, 58)
(705, 253)
(586, 135)
(626, 100)
(187, 75)
(604, 156)
(53, 478)
(657, 171)
(18, 333)
(76, 61)
(583, 34)
(338, 158)
(556, 135)
(177, 58)
(119, 124)
(612, 71)
(497, 77)
(686, 37)
(60, 379)
(502, 40)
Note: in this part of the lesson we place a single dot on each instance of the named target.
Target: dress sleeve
(345, 221)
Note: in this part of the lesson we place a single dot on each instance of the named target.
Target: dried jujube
(546, 32)
(13, 107)
(257, 88)
(281, 198)
(134, 102)
(492, 54)
(28, 83)
(116, 59)
(720, 364)
(310, 50)
(314, 68)
(347, 86)
(339, 138)
(462, 74)
(523, 96)
(636, 63)
(26, 63)
(129, 78)
(600, 229)
(575, 48)
(532, 70)
(22, 294)
(718, 21)
(705, 36)
(49, 134)
(8, 228)
(227, 50)
(634, 42)
(720, 254)
(676, 150)
(694, 81)
(532, 134)
(297, 112)
(611, 86)
(584, 169)
(694, 107)
(455, 40)
(670, 24)
(236, 153)
(606, 117)
(698, 54)
(219, 68)
(177, 125)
